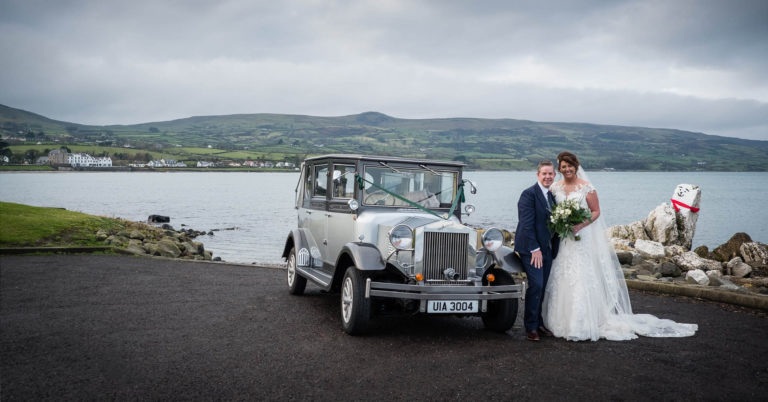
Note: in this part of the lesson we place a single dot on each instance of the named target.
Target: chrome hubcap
(346, 299)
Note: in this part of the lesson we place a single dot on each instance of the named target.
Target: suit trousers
(534, 292)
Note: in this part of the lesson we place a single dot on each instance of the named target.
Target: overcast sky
(691, 65)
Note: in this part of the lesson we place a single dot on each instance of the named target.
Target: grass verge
(28, 226)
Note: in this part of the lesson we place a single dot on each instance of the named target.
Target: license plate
(452, 306)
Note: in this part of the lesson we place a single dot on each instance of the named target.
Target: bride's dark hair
(566, 156)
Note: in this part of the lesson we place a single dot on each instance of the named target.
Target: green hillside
(482, 143)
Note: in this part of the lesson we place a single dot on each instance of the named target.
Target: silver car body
(341, 226)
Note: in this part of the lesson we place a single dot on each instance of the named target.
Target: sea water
(251, 213)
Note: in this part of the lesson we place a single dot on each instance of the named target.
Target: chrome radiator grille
(444, 250)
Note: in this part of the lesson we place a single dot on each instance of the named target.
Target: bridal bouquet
(564, 216)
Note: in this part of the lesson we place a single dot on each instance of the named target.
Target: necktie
(550, 199)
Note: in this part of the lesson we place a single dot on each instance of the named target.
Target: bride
(586, 296)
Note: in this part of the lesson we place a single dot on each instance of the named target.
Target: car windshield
(426, 187)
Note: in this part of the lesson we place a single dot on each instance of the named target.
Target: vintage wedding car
(387, 233)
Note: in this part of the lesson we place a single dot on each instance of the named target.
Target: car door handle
(325, 242)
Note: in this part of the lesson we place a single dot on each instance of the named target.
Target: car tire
(296, 282)
(355, 307)
(500, 315)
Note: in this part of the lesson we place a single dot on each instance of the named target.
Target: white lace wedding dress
(586, 296)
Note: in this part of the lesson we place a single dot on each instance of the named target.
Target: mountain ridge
(482, 143)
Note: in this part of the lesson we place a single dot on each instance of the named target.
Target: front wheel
(296, 282)
(500, 315)
(355, 307)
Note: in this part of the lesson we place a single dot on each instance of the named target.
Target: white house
(205, 164)
(85, 160)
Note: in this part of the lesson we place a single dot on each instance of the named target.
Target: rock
(167, 227)
(754, 252)
(648, 248)
(135, 234)
(629, 273)
(189, 249)
(673, 250)
(216, 258)
(631, 232)
(117, 241)
(690, 195)
(715, 278)
(702, 251)
(661, 225)
(646, 278)
(690, 261)
(637, 259)
(625, 257)
(208, 255)
(697, 277)
(738, 268)
(135, 249)
(726, 251)
(158, 219)
(167, 248)
(669, 269)
(199, 246)
(101, 235)
(621, 244)
(124, 233)
(642, 270)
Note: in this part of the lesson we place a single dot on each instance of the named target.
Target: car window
(320, 180)
(343, 181)
(429, 188)
(308, 180)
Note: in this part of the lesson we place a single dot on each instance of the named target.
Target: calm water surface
(254, 211)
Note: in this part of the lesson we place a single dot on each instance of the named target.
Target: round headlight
(353, 204)
(401, 237)
(469, 209)
(493, 239)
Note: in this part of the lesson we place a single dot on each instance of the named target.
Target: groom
(536, 246)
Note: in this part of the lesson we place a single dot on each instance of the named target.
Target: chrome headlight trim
(401, 237)
(493, 239)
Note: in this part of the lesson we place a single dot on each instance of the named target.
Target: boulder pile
(658, 248)
(143, 239)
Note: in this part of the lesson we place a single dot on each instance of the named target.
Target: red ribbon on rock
(677, 204)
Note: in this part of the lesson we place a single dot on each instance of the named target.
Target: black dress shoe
(545, 332)
(532, 336)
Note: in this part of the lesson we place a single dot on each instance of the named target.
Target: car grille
(442, 251)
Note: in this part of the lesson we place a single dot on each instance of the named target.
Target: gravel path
(99, 327)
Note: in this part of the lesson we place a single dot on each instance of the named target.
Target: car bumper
(433, 292)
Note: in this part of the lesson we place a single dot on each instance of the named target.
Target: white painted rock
(754, 252)
(661, 225)
(697, 276)
(648, 248)
(690, 261)
(738, 268)
(686, 200)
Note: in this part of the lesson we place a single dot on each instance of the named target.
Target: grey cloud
(126, 62)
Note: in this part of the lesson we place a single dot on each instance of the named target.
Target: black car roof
(375, 158)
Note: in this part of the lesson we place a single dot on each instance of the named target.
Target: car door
(340, 215)
(318, 209)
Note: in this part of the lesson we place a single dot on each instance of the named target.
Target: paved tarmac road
(101, 327)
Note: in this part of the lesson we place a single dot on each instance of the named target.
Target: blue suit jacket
(532, 232)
